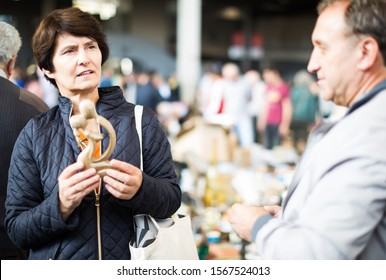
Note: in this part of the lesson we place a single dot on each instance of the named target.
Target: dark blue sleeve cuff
(260, 222)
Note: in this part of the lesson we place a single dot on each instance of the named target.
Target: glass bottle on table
(216, 189)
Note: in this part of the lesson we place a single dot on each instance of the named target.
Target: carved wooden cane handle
(79, 122)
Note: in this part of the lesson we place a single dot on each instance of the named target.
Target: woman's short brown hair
(70, 20)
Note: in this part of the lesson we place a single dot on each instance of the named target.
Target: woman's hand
(74, 184)
(123, 180)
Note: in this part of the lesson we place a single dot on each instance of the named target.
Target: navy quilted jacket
(47, 145)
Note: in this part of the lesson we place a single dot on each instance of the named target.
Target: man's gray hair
(10, 42)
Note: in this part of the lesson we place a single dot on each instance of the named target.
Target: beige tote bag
(166, 239)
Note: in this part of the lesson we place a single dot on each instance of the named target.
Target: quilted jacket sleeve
(32, 217)
(160, 194)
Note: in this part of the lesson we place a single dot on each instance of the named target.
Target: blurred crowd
(259, 106)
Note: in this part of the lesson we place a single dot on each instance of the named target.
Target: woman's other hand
(123, 180)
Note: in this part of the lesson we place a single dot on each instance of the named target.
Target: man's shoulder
(33, 100)
(12, 93)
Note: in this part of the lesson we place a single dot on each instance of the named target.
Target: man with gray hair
(335, 206)
(17, 107)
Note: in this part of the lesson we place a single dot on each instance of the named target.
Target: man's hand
(243, 217)
(274, 210)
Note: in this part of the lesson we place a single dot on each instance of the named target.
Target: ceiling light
(106, 9)
(231, 13)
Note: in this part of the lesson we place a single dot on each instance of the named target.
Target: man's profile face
(333, 58)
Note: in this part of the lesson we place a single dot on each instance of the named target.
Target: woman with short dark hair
(57, 207)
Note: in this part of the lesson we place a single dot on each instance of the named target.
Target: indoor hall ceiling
(29, 7)
(256, 7)
(267, 7)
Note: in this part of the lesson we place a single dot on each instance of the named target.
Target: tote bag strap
(138, 109)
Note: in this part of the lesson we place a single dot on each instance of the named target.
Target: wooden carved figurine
(79, 124)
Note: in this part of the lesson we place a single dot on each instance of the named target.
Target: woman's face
(77, 62)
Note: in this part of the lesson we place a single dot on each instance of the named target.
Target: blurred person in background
(32, 84)
(174, 86)
(211, 74)
(107, 77)
(147, 93)
(276, 114)
(18, 76)
(170, 111)
(304, 99)
(161, 85)
(18, 106)
(256, 103)
(229, 99)
(335, 204)
(51, 93)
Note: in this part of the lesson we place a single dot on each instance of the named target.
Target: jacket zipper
(98, 211)
(97, 193)
(97, 205)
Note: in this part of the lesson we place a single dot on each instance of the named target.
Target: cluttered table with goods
(216, 173)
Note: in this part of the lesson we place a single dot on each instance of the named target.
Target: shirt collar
(2, 74)
(367, 96)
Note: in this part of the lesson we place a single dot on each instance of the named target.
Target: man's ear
(10, 66)
(369, 53)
